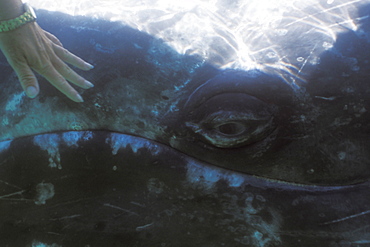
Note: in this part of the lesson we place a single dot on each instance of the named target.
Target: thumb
(27, 79)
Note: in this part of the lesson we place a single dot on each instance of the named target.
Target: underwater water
(233, 34)
(211, 123)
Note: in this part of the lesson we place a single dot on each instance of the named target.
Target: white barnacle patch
(50, 143)
(118, 141)
(4, 145)
(235, 180)
(72, 137)
(201, 175)
(155, 186)
(88, 135)
(5, 121)
(251, 208)
(44, 191)
(206, 177)
(267, 232)
(36, 243)
(13, 104)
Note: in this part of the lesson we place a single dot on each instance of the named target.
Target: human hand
(30, 47)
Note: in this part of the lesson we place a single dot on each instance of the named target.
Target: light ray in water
(324, 11)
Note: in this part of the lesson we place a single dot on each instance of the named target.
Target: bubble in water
(352, 61)
(315, 61)
(281, 32)
(271, 54)
(355, 68)
(327, 45)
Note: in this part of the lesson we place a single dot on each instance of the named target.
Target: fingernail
(31, 92)
(79, 98)
(90, 66)
(89, 84)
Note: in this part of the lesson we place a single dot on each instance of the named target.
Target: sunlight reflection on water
(285, 35)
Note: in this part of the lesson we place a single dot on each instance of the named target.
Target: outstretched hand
(31, 48)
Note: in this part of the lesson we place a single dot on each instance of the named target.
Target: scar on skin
(119, 208)
(13, 194)
(346, 218)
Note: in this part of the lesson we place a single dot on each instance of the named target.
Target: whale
(170, 149)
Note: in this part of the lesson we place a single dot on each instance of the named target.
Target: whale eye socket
(232, 120)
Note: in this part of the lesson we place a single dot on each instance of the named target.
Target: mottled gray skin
(168, 150)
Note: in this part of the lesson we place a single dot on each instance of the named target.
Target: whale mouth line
(56, 145)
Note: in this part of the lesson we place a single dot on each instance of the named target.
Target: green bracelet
(12, 24)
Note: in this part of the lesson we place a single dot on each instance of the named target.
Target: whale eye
(232, 120)
(231, 129)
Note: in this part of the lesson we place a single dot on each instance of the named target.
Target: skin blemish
(14, 103)
(45, 191)
(4, 145)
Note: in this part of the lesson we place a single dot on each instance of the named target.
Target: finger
(70, 58)
(58, 81)
(54, 39)
(71, 75)
(27, 78)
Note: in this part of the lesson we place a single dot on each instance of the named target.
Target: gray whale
(169, 150)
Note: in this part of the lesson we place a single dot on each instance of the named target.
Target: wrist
(10, 9)
(27, 16)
